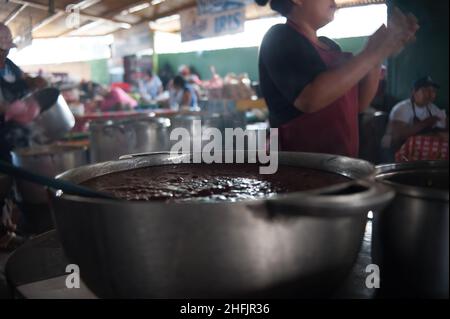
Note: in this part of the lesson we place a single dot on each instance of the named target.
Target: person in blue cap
(416, 115)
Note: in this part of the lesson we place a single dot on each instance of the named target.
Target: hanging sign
(212, 18)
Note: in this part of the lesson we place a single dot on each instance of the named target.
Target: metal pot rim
(45, 150)
(324, 199)
(383, 171)
(121, 121)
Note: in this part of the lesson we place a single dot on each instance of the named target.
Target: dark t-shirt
(288, 62)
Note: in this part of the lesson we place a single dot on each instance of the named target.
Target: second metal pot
(411, 237)
(110, 139)
(48, 160)
(56, 118)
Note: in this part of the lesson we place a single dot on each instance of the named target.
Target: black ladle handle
(65, 186)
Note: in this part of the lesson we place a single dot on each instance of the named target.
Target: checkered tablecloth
(423, 148)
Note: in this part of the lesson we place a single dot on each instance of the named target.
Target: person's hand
(376, 38)
(391, 40)
(385, 42)
(37, 83)
(431, 121)
(443, 136)
(22, 111)
(404, 26)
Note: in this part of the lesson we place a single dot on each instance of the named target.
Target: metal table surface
(37, 270)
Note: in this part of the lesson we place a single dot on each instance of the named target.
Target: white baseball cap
(6, 39)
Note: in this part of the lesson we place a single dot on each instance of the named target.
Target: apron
(416, 120)
(332, 130)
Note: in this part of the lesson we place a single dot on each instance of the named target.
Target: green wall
(428, 55)
(238, 60)
(354, 45)
(99, 71)
(229, 60)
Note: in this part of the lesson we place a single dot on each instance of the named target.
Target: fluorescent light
(86, 4)
(155, 2)
(87, 27)
(168, 19)
(139, 7)
(125, 25)
(135, 8)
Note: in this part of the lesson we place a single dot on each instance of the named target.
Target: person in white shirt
(416, 115)
(150, 87)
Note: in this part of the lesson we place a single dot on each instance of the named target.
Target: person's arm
(332, 84)
(443, 118)
(401, 131)
(36, 83)
(368, 88)
(144, 92)
(160, 86)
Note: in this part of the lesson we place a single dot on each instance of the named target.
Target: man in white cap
(416, 115)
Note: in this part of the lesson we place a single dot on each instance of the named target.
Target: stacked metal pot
(110, 139)
(44, 157)
(47, 160)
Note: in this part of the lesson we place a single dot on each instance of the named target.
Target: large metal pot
(297, 244)
(56, 118)
(111, 139)
(47, 160)
(411, 237)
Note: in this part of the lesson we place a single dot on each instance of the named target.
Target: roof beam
(15, 13)
(124, 7)
(39, 6)
(176, 10)
(47, 20)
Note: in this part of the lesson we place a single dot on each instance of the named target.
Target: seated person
(416, 116)
(116, 99)
(182, 94)
(150, 86)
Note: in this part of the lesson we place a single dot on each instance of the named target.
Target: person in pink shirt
(116, 99)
